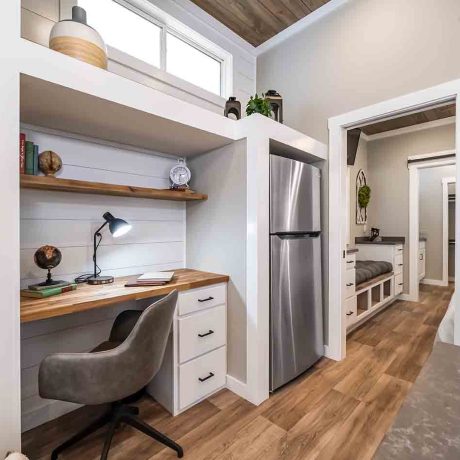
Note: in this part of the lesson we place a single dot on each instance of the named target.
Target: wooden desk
(87, 297)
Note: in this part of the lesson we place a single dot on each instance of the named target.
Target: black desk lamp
(117, 227)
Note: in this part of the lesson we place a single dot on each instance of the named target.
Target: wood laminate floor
(338, 410)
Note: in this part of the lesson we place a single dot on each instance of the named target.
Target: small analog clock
(180, 175)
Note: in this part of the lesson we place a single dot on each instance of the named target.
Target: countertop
(427, 426)
(87, 297)
(385, 240)
(352, 250)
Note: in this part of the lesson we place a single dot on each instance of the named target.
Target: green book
(37, 287)
(48, 292)
(36, 159)
(29, 157)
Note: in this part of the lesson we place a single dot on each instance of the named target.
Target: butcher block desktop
(88, 297)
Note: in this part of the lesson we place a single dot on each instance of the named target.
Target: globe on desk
(48, 257)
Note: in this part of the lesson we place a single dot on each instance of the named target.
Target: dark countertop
(427, 426)
(352, 250)
(384, 240)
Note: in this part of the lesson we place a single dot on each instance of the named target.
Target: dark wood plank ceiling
(437, 113)
(258, 20)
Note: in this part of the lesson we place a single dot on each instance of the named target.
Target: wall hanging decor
(260, 105)
(233, 108)
(363, 196)
(76, 38)
(49, 163)
(276, 102)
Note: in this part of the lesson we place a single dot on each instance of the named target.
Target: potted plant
(260, 105)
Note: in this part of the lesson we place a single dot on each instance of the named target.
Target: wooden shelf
(98, 188)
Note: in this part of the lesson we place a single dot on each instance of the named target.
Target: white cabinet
(195, 363)
(421, 260)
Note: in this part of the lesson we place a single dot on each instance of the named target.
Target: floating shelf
(99, 188)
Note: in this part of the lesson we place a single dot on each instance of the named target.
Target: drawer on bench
(350, 279)
(350, 261)
(398, 264)
(399, 284)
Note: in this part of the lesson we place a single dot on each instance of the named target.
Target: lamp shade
(118, 227)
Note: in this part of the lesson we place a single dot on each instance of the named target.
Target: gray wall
(389, 178)
(362, 53)
(431, 216)
(360, 163)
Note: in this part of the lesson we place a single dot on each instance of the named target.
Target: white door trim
(445, 228)
(337, 200)
(414, 219)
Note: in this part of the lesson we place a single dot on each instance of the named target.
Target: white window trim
(180, 30)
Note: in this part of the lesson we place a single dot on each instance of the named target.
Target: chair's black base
(119, 413)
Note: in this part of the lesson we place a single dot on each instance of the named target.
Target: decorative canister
(77, 39)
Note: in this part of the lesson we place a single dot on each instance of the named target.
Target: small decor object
(117, 227)
(276, 102)
(48, 257)
(260, 105)
(29, 164)
(74, 37)
(233, 108)
(363, 196)
(49, 163)
(180, 176)
(15, 456)
(375, 232)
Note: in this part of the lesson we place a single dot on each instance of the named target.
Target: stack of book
(153, 279)
(28, 156)
(40, 292)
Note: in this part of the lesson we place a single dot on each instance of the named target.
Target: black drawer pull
(349, 313)
(206, 300)
(211, 374)
(207, 333)
(400, 265)
(349, 284)
(350, 261)
(401, 284)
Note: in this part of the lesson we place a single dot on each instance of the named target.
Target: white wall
(430, 217)
(39, 16)
(364, 52)
(389, 178)
(216, 237)
(68, 221)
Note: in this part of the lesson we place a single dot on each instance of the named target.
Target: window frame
(168, 24)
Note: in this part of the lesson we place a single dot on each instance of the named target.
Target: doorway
(338, 219)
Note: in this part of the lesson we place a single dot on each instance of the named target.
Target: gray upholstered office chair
(113, 372)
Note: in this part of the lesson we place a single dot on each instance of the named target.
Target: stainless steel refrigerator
(296, 307)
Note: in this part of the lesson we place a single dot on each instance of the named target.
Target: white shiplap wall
(68, 221)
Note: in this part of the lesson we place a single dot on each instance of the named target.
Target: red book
(22, 153)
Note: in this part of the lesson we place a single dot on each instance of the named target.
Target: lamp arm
(95, 245)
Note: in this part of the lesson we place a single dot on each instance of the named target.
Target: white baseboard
(238, 387)
(432, 282)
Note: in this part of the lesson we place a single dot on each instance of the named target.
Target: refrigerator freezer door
(296, 310)
(294, 196)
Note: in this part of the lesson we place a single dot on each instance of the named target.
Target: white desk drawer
(398, 264)
(199, 299)
(399, 249)
(351, 310)
(350, 279)
(399, 285)
(201, 332)
(350, 261)
(202, 376)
